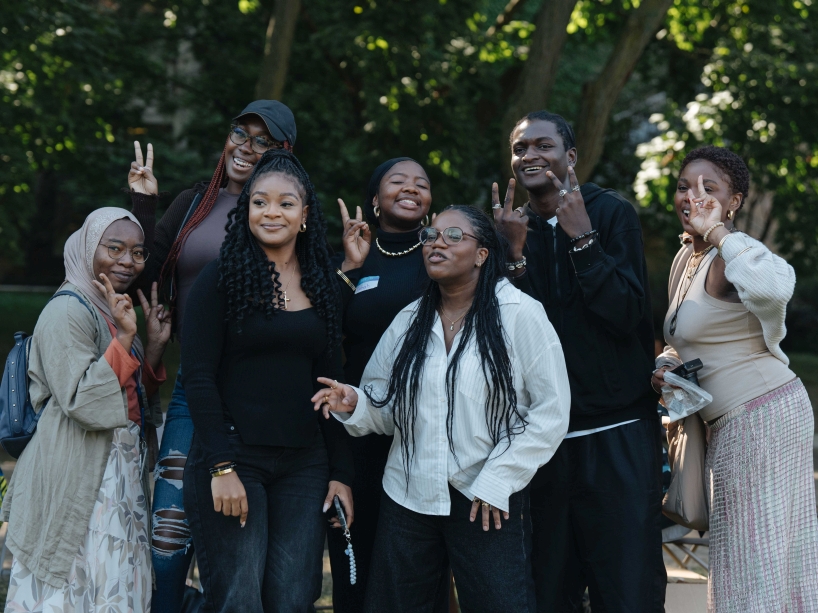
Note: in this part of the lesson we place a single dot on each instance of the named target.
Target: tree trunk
(539, 72)
(279, 42)
(600, 95)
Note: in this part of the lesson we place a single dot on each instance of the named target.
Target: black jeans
(273, 564)
(492, 570)
(596, 512)
(370, 454)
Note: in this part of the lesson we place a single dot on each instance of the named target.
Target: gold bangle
(219, 473)
(346, 279)
(721, 244)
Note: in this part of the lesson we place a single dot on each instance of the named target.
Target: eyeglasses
(138, 254)
(259, 144)
(451, 236)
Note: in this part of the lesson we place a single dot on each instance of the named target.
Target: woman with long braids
(376, 282)
(471, 381)
(186, 239)
(263, 321)
(729, 296)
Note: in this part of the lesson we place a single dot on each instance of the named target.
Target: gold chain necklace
(453, 322)
(690, 273)
(398, 253)
(286, 300)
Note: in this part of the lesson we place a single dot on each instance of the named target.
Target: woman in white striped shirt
(471, 380)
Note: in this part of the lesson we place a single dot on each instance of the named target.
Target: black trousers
(370, 453)
(596, 514)
(492, 569)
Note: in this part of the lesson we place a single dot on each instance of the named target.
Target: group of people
(479, 396)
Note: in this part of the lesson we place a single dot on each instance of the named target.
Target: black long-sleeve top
(599, 303)
(258, 381)
(368, 313)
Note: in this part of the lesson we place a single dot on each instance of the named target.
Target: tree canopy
(437, 80)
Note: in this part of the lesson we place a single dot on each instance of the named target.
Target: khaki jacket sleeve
(68, 371)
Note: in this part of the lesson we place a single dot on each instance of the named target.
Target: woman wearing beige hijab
(77, 506)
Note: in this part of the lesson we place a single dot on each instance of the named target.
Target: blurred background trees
(439, 80)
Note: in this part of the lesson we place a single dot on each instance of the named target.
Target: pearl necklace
(396, 254)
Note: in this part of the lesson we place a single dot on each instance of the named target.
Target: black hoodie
(599, 303)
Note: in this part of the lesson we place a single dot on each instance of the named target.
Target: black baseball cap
(276, 116)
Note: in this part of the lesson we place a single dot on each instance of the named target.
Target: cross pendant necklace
(286, 300)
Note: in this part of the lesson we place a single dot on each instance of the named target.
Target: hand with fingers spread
(705, 210)
(571, 213)
(157, 325)
(511, 223)
(140, 177)
(487, 511)
(229, 496)
(344, 493)
(336, 397)
(357, 238)
(122, 310)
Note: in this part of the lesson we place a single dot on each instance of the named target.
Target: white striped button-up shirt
(492, 473)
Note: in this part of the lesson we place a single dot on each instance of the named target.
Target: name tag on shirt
(366, 283)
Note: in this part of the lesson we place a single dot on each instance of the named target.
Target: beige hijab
(79, 253)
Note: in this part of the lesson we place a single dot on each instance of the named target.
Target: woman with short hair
(471, 381)
(729, 296)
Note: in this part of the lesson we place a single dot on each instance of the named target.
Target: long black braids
(482, 325)
(251, 282)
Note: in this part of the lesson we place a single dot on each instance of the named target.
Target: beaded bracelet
(346, 279)
(576, 239)
(713, 227)
(218, 471)
(512, 266)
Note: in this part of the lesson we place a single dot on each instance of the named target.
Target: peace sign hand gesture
(157, 325)
(571, 213)
(357, 238)
(122, 311)
(511, 223)
(140, 177)
(705, 210)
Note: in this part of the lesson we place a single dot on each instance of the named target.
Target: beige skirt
(112, 570)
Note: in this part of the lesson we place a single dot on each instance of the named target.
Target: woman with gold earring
(728, 300)
(378, 276)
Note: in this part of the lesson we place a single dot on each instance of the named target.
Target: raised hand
(705, 210)
(357, 238)
(511, 223)
(336, 397)
(157, 325)
(140, 177)
(571, 213)
(121, 309)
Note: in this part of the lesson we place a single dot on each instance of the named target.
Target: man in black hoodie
(596, 506)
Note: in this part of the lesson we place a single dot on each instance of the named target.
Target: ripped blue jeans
(172, 548)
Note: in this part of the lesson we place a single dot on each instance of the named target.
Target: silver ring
(563, 192)
(519, 209)
(575, 188)
(499, 206)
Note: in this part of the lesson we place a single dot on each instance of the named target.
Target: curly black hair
(734, 169)
(482, 322)
(564, 128)
(251, 282)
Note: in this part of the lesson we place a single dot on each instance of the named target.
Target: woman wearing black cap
(186, 239)
(377, 281)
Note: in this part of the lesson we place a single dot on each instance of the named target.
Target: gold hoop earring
(377, 210)
(303, 226)
(425, 220)
(730, 215)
